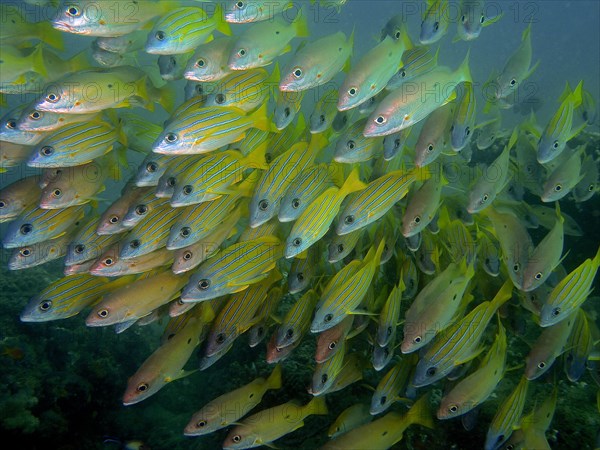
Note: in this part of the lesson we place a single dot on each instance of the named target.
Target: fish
(328, 340)
(560, 129)
(208, 128)
(109, 264)
(463, 121)
(136, 299)
(324, 111)
(256, 11)
(545, 256)
(123, 44)
(87, 244)
(76, 144)
(112, 218)
(17, 196)
(97, 89)
(349, 419)
(209, 60)
(369, 76)
(517, 68)
(15, 63)
(389, 316)
(181, 30)
(459, 342)
(564, 178)
(263, 41)
(35, 225)
(166, 363)
(40, 253)
(303, 270)
(579, 347)
(405, 106)
(423, 205)
(435, 21)
(101, 19)
(233, 269)
(314, 221)
(588, 185)
(172, 67)
(549, 345)
(433, 138)
(263, 319)
(570, 292)
(477, 387)
(296, 321)
(317, 62)
(68, 296)
(17, 29)
(474, 17)
(142, 208)
(341, 246)
(339, 300)
(270, 424)
(228, 408)
(176, 168)
(282, 171)
(352, 147)
(507, 416)
(383, 433)
(376, 199)
(392, 385)
(9, 131)
(415, 62)
(34, 120)
(326, 372)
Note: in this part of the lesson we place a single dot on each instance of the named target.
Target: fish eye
(52, 98)
(467, 131)
(268, 158)
(160, 35)
(296, 203)
(79, 248)
(46, 305)
(297, 242)
(350, 145)
(286, 111)
(204, 284)
(324, 378)
(26, 228)
(200, 63)
(220, 338)
(328, 318)
(35, 115)
(482, 19)
(430, 148)
(417, 339)
(380, 120)
(46, 150)
(556, 312)
(322, 118)
(142, 387)
(538, 276)
(201, 424)
(340, 248)
(397, 35)
(513, 82)
(300, 276)
(103, 313)
(383, 399)
(389, 330)
(241, 52)
(289, 333)
(237, 437)
(590, 188)
(171, 137)
(220, 99)
(541, 365)
(352, 91)
(109, 262)
(25, 252)
(558, 187)
(56, 193)
(332, 345)
(510, 447)
(171, 181)
(73, 11)
(187, 256)
(431, 371)
(135, 243)
(11, 124)
(463, 19)
(2, 204)
(555, 144)
(349, 219)
(453, 408)
(239, 5)
(141, 209)
(151, 167)
(396, 143)
(263, 205)
(452, 128)
(516, 267)
(485, 197)
(402, 73)
(185, 231)
(114, 219)
(187, 189)
(436, 26)
(417, 219)
(297, 72)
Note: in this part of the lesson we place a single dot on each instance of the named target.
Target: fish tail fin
(420, 412)
(526, 33)
(596, 260)
(51, 36)
(222, 25)
(316, 406)
(260, 119)
(38, 64)
(257, 159)
(79, 61)
(464, 70)
(274, 380)
(577, 95)
(503, 295)
(301, 25)
(167, 96)
(405, 39)
(352, 183)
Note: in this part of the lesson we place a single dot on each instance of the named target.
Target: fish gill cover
(327, 224)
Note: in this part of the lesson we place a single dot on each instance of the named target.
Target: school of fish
(377, 214)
